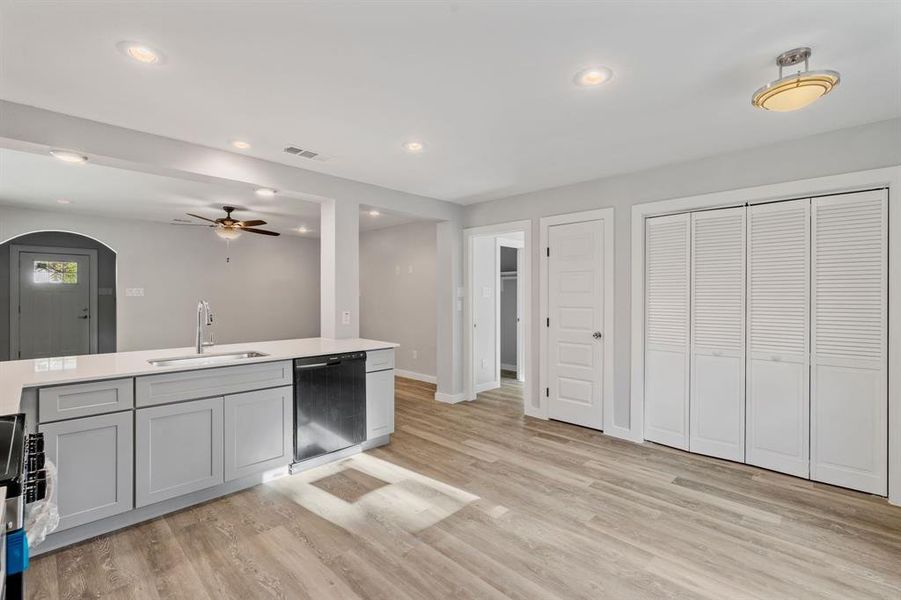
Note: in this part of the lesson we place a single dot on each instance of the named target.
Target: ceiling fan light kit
(795, 91)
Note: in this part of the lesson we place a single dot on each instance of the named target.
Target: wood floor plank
(481, 502)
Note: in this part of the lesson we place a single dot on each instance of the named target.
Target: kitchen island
(139, 434)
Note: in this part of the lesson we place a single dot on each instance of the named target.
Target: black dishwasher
(329, 404)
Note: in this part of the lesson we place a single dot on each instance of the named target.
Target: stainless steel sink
(204, 359)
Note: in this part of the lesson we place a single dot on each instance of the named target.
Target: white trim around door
(606, 215)
(889, 177)
(14, 251)
(499, 230)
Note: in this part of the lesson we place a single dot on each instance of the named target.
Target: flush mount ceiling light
(374, 213)
(240, 144)
(593, 76)
(414, 147)
(798, 90)
(63, 201)
(302, 229)
(265, 192)
(69, 157)
(141, 53)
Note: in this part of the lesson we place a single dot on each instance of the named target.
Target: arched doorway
(58, 296)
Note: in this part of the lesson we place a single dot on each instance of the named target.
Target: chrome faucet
(204, 320)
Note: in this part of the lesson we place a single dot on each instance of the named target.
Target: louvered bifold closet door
(778, 300)
(667, 329)
(717, 400)
(849, 403)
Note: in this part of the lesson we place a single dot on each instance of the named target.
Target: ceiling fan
(228, 228)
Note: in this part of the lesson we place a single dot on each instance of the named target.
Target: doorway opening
(60, 292)
(497, 330)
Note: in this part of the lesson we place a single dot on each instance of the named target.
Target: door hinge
(548, 251)
(548, 321)
(547, 392)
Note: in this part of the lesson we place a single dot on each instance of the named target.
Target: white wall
(854, 149)
(269, 289)
(396, 304)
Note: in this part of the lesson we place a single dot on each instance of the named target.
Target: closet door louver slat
(717, 394)
(778, 416)
(849, 320)
(667, 330)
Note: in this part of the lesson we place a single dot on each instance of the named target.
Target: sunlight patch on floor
(352, 492)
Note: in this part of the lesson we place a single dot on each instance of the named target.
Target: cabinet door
(849, 401)
(717, 399)
(93, 456)
(379, 403)
(778, 417)
(666, 330)
(178, 449)
(258, 431)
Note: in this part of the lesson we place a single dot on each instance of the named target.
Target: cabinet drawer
(84, 399)
(379, 360)
(205, 383)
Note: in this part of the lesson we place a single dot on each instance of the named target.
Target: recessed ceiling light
(374, 213)
(70, 157)
(593, 76)
(302, 229)
(265, 192)
(141, 53)
(414, 147)
(240, 144)
(798, 90)
(63, 201)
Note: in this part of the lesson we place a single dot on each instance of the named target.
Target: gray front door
(54, 304)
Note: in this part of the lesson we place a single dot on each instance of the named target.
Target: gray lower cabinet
(258, 431)
(379, 403)
(178, 449)
(93, 456)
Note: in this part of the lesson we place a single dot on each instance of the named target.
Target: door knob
(597, 335)
(84, 317)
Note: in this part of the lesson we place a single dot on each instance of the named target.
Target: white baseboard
(416, 376)
(484, 387)
(449, 398)
(508, 367)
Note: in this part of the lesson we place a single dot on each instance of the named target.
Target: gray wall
(396, 304)
(268, 290)
(106, 280)
(855, 149)
(508, 308)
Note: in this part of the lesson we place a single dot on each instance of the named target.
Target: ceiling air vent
(309, 154)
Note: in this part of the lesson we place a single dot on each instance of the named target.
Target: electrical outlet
(345, 317)
(415, 354)
(134, 291)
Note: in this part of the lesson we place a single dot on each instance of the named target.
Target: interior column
(340, 269)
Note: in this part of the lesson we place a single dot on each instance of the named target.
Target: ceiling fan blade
(253, 223)
(192, 224)
(263, 231)
(201, 218)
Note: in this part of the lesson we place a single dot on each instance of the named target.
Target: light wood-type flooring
(475, 501)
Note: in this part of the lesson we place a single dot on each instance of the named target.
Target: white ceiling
(38, 181)
(487, 86)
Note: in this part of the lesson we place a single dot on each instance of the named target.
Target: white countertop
(17, 375)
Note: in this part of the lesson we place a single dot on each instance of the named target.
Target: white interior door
(520, 302)
(667, 300)
(485, 343)
(849, 403)
(576, 323)
(717, 388)
(778, 406)
(54, 304)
